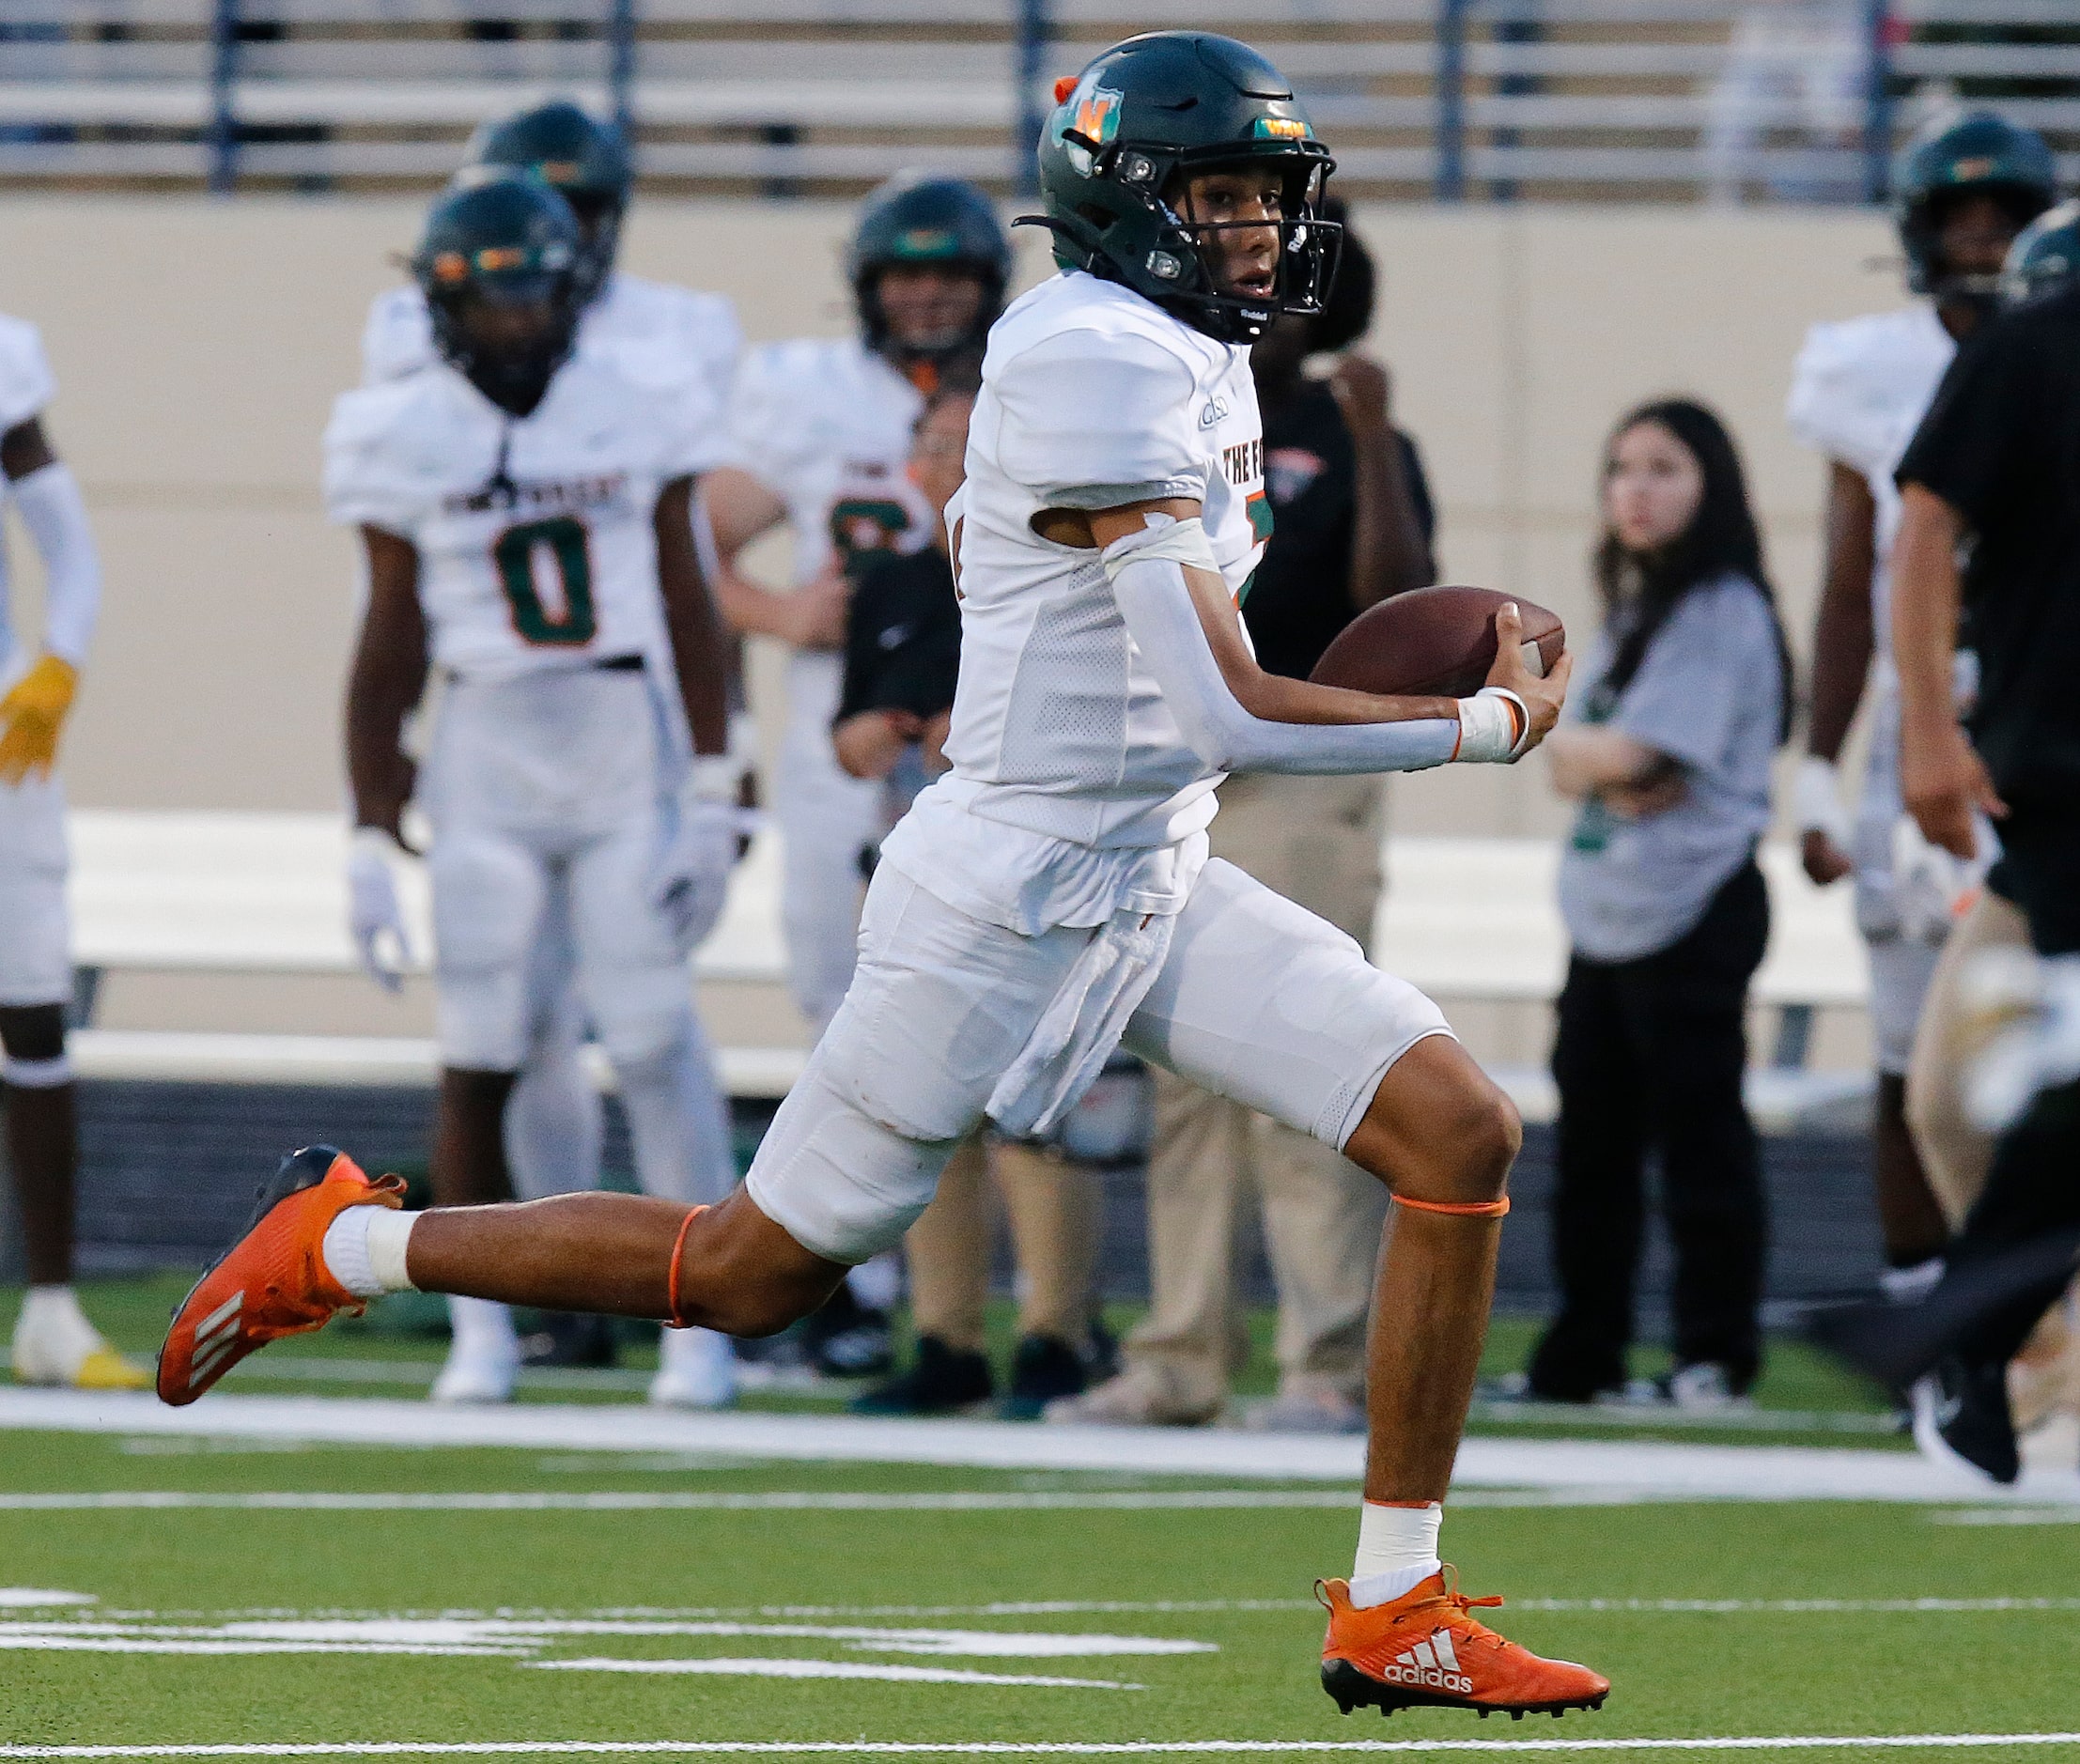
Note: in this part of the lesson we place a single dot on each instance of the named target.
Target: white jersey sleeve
(373, 475)
(1089, 421)
(767, 436)
(1859, 386)
(397, 339)
(26, 382)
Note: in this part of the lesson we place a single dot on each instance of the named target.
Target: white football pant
(35, 942)
(1257, 999)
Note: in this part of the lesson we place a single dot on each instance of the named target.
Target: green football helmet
(584, 161)
(505, 240)
(2045, 255)
(1148, 113)
(1972, 153)
(915, 220)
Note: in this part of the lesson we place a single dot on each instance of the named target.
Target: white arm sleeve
(55, 513)
(1155, 601)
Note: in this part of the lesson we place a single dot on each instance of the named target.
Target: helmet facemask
(1187, 252)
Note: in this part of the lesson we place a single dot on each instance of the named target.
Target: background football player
(1050, 898)
(820, 438)
(54, 1343)
(1965, 187)
(526, 515)
(656, 333)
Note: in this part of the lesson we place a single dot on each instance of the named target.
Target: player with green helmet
(935, 225)
(498, 266)
(1951, 161)
(1128, 132)
(1052, 899)
(554, 161)
(1963, 187)
(584, 161)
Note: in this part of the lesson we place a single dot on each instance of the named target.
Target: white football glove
(373, 914)
(1931, 886)
(692, 880)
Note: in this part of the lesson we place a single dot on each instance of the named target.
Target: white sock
(54, 1312)
(1397, 1549)
(364, 1251)
(483, 1325)
(878, 1284)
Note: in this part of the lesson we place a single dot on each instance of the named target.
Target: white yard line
(830, 1669)
(1640, 1469)
(991, 1748)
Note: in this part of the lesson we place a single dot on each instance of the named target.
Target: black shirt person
(1997, 466)
(1353, 520)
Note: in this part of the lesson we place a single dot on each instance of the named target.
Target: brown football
(1432, 642)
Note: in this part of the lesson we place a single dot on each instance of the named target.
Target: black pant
(2033, 1185)
(1651, 1053)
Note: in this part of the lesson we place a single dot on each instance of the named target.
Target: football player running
(54, 1343)
(1050, 897)
(1966, 186)
(526, 512)
(656, 333)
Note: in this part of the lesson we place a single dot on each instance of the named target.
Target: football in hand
(1434, 642)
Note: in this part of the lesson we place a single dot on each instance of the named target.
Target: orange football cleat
(274, 1280)
(1424, 1650)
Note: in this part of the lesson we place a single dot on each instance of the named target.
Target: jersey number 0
(516, 553)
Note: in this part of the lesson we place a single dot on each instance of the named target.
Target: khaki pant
(1315, 841)
(2045, 1375)
(1054, 1210)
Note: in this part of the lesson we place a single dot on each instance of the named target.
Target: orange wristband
(672, 1279)
(1460, 1209)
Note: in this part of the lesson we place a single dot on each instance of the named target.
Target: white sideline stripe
(830, 1669)
(1003, 1748)
(1667, 1471)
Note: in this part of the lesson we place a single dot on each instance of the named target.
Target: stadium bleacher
(1578, 98)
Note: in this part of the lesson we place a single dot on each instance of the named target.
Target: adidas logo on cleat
(216, 1335)
(1432, 1665)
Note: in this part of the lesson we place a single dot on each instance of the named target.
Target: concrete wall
(199, 344)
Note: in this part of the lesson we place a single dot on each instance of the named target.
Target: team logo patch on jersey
(1261, 518)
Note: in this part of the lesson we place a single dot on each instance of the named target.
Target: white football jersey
(652, 332)
(1091, 398)
(825, 425)
(1859, 391)
(535, 535)
(25, 388)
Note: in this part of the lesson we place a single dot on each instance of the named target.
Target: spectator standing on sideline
(1687, 695)
(1353, 526)
(902, 660)
(1993, 472)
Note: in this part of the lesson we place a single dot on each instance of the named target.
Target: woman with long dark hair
(1686, 698)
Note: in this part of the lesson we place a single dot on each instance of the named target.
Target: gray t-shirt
(1709, 694)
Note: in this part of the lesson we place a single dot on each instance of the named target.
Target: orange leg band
(672, 1279)
(1461, 1209)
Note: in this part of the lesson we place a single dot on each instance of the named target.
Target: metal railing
(1459, 100)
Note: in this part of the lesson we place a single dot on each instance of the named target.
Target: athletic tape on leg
(672, 1281)
(1459, 1208)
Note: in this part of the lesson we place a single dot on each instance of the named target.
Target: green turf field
(1107, 1597)
(848, 1606)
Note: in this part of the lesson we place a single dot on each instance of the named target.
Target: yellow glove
(31, 716)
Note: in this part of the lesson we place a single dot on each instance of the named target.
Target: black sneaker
(563, 1338)
(940, 1380)
(846, 1339)
(1044, 1367)
(1961, 1418)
